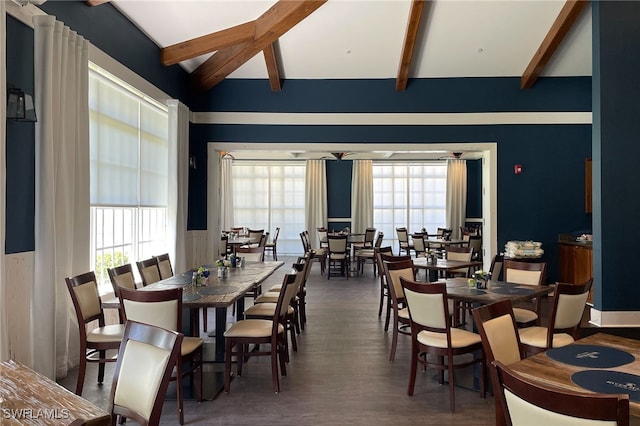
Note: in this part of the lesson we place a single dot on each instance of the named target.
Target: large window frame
(129, 175)
(270, 194)
(411, 194)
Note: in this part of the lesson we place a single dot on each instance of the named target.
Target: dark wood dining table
(444, 265)
(599, 347)
(219, 293)
(30, 398)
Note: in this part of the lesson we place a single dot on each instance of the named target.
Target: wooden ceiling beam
(566, 18)
(272, 67)
(413, 26)
(275, 22)
(189, 49)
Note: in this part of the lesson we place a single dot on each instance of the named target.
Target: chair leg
(227, 365)
(204, 319)
(414, 369)
(394, 339)
(179, 391)
(274, 366)
(452, 392)
(388, 316)
(82, 370)
(102, 355)
(381, 298)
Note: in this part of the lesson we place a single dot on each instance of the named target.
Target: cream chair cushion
(108, 333)
(502, 339)
(524, 315)
(190, 344)
(165, 269)
(125, 281)
(252, 328)
(265, 310)
(151, 274)
(160, 314)
(537, 336)
(142, 367)
(459, 338)
(88, 299)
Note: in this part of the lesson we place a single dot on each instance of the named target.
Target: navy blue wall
(20, 150)
(474, 188)
(542, 202)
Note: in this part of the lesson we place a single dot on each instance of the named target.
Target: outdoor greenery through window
(267, 195)
(409, 194)
(129, 175)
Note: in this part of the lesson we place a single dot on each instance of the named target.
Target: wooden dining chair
(121, 276)
(403, 241)
(526, 402)
(163, 308)
(526, 273)
(432, 334)
(338, 260)
(272, 246)
(146, 359)
(149, 271)
(397, 301)
(83, 290)
(367, 255)
(569, 302)
(164, 266)
(500, 340)
(244, 333)
(378, 252)
(459, 253)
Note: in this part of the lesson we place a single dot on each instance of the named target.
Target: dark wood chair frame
(155, 336)
(115, 272)
(594, 406)
(396, 300)
(378, 252)
(146, 263)
(528, 266)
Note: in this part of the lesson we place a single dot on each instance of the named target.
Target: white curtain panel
(4, 335)
(214, 212)
(62, 214)
(315, 205)
(178, 182)
(226, 194)
(456, 195)
(361, 196)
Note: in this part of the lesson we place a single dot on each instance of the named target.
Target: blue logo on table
(590, 356)
(607, 381)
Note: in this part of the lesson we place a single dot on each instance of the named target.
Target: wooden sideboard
(575, 263)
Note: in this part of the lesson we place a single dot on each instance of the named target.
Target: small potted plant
(481, 277)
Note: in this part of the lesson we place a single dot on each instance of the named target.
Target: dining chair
(252, 254)
(244, 333)
(475, 242)
(496, 267)
(419, 246)
(83, 290)
(149, 272)
(389, 257)
(255, 237)
(569, 301)
(224, 248)
(432, 334)
(396, 300)
(163, 308)
(319, 254)
(338, 258)
(526, 273)
(367, 255)
(378, 252)
(369, 237)
(272, 246)
(121, 276)
(322, 237)
(459, 253)
(146, 359)
(403, 241)
(265, 308)
(164, 266)
(500, 340)
(525, 402)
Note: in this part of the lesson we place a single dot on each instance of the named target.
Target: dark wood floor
(341, 374)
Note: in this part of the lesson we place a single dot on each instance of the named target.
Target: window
(129, 175)
(270, 195)
(409, 194)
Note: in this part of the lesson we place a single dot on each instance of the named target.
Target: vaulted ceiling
(349, 39)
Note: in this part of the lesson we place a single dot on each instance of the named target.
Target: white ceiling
(364, 38)
(351, 39)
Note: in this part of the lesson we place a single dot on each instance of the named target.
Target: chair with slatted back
(531, 403)
(83, 290)
(149, 271)
(432, 334)
(163, 308)
(255, 237)
(272, 246)
(147, 357)
(121, 276)
(569, 302)
(367, 255)
(403, 241)
(526, 273)
(164, 266)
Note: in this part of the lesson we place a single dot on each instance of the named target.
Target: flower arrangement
(480, 279)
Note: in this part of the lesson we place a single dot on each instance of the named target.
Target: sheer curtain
(213, 204)
(62, 191)
(456, 195)
(226, 194)
(4, 337)
(177, 206)
(362, 195)
(315, 205)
